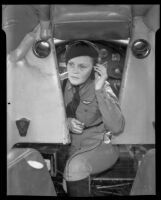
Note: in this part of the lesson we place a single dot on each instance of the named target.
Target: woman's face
(79, 69)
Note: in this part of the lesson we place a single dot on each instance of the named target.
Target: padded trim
(91, 21)
(17, 154)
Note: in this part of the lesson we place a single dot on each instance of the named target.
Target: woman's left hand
(100, 75)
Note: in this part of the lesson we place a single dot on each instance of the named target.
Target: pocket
(88, 112)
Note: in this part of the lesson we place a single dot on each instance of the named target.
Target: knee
(112, 153)
(76, 169)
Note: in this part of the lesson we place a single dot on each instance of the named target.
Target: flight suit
(91, 152)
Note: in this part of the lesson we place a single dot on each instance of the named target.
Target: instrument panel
(113, 53)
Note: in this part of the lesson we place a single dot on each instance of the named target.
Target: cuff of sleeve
(101, 93)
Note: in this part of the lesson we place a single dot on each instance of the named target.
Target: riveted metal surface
(137, 94)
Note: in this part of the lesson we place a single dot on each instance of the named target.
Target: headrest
(92, 22)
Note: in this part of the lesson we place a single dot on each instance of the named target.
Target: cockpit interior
(37, 134)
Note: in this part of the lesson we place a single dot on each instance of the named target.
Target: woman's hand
(75, 125)
(100, 75)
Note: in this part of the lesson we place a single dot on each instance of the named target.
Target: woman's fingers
(77, 126)
(97, 76)
(98, 70)
(100, 76)
(101, 67)
(103, 64)
(101, 70)
(77, 131)
(78, 122)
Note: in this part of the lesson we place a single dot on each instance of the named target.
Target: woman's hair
(81, 48)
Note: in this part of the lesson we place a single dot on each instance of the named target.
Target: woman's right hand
(75, 125)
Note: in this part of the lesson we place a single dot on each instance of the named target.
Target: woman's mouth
(73, 77)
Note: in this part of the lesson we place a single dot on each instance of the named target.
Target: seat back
(93, 22)
(27, 173)
(145, 180)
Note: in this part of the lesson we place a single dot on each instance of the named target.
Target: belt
(87, 127)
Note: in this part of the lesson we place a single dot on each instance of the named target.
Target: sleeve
(110, 109)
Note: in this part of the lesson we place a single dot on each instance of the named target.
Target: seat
(132, 174)
(116, 180)
(145, 180)
(27, 173)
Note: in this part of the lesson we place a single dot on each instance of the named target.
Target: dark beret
(81, 48)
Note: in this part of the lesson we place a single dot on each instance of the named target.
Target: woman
(92, 112)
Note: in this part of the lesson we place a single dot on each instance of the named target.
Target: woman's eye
(83, 66)
(71, 64)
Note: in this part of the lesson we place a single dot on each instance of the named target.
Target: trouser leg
(80, 188)
(81, 165)
(77, 174)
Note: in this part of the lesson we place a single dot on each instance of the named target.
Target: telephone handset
(93, 71)
(99, 61)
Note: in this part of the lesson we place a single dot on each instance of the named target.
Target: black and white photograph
(80, 99)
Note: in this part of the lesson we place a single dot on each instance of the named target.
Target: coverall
(91, 152)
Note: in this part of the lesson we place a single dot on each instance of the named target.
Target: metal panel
(34, 93)
(137, 95)
(17, 21)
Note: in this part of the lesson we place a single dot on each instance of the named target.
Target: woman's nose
(75, 69)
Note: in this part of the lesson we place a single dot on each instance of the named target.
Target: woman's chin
(75, 82)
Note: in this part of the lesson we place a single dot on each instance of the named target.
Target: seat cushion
(27, 173)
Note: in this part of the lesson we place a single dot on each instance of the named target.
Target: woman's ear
(93, 71)
(95, 61)
(92, 74)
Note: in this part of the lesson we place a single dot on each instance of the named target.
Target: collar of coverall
(88, 85)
